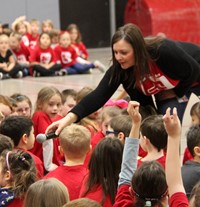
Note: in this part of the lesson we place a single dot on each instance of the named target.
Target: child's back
(191, 169)
(153, 139)
(75, 143)
(101, 182)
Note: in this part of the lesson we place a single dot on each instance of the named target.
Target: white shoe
(100, 66)
(1, 76)
(19, 74)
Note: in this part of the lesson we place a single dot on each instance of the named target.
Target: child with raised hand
(8, 66)
(18, 172)
(67, 55)
(22, 27)
(74, 144)
(43, 59)
(47, 109)
(100, 184)
(20, 130)
(46, 193)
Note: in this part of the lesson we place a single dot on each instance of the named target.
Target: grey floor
(31, 85)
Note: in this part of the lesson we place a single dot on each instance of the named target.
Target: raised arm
(173, 167)
(129, 161)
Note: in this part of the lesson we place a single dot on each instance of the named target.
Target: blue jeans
(79, 68)
(163, 105)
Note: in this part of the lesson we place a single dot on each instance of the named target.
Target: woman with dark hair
(146, 67)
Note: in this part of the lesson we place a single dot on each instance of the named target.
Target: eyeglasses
(112, 132)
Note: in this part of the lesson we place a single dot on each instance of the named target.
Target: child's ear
(197, 151)
(121, 136)
(7, 175)
(24, 138)
(60, 149)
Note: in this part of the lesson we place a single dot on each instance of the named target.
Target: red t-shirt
(71, 176)
(161, 160)
(23, 53)
(95, 194)
(97, 138)
(41, 121)
(67, 56)
(16, 203)
(156, 82)
(81, 50)
(187, 156)
(124, 198)
(178, 199)
(43, 56)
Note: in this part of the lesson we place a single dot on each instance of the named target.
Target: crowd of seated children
(27, 54)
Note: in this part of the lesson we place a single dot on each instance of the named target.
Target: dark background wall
(93, 19)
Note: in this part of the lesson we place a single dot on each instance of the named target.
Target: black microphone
(43, 137)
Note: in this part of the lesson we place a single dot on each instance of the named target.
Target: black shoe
(6, 76)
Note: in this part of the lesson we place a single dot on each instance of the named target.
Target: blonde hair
(82, 202)
(44, 95)
(16, 35)
(75, 140)
(48, 22)
(83, 92)
(47, 193)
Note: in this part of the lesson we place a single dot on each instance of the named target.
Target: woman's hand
(59, 125)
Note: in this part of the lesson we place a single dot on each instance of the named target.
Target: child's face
(53, 106)
(74, 35)
(45, 41)
(68, 105)
(65, 40)
(105, 124)
(35, 28)
(22, 29)
(31, 139)
(46, 27)
(23, 108)
(14, 43)
(4, 43)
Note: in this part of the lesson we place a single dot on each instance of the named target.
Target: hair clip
(148, 203)
(23, 158)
